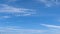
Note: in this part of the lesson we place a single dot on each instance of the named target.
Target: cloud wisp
(9, 1)
(52, 29)
(19, 11)
(11, 30)
(15, 30)
(50, 26)
(5, 17)
(50, 3)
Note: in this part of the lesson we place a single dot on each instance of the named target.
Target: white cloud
(11, 0)
(15, 30)
(11, 30)
(50, 3)
(19, 11)
(52, 29)
(8, 1)
(50, 26)
(5, 17)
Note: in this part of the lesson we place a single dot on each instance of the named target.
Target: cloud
(18, 11)
(50, 3)
(16, 30)
(50, 26)
(11, 30)
(52, 29)
(5, 17)
(9, 1)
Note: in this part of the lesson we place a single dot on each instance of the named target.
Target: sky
(29, 16)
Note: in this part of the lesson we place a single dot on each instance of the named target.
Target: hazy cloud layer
(12, 30)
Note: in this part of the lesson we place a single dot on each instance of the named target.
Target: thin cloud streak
(5, 16)
(50, 26)
(19, 11)
(49, 3)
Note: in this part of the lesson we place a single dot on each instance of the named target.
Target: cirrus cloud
(12, 30)
(13, 10)
(50, 3)
(50, 26)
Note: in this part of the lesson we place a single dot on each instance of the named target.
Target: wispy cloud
(19, 11)
(12, 0)
(15, 30)
(50, 26)
(9, 1)
(11, 30)
(5, 17)
(50, 3)
(52, 29)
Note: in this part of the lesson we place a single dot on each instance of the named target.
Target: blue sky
(30, 16)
